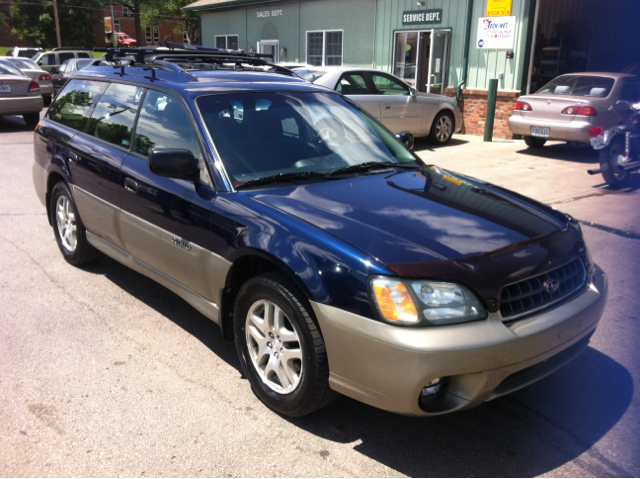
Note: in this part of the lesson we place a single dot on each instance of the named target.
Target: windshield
(8, 69)
(24, 63)
(309, 75)
(578, 85)
(268, 133)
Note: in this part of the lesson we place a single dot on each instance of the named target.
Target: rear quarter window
(76, 102)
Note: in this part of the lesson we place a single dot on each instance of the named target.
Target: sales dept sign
(496, 33)
(422, 16)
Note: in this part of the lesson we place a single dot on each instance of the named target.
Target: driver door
(399, 111)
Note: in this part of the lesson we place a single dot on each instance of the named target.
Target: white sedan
(397, 105)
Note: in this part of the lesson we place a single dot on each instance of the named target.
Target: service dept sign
(496, 33)
(422, 16)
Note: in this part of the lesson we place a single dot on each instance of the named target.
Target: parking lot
(106, 373)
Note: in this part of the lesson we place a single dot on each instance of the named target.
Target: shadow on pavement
(525, 434)
(424, 144)
(11, 123)
(563, 152)
(169, 305)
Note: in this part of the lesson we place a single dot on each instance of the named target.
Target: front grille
(531, 294)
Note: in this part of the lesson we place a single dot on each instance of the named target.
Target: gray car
(397, 105)
(31, 69)
(574, 107)
(19, 95)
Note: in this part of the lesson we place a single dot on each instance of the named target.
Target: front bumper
(576, 130)
(21, 105)
(387, 366)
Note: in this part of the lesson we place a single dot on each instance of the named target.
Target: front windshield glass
(263, 134)
(578, 85)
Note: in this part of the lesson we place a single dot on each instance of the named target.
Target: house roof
(207, 4)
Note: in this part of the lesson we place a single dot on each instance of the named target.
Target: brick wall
(473, 105)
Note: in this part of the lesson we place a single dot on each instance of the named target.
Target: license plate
(597, 141)
(537, 131)
(5, 88)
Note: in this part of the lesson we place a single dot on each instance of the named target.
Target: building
(452, 47)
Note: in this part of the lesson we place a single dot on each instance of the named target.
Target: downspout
(465, 55)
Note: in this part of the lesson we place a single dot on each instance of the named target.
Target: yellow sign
(498, 8)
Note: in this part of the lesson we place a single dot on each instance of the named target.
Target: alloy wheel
(443, 129)
(66, 221)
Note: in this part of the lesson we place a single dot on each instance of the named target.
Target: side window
(630, 91)
(63, 57)
(164, 123)
(76, 102)
(389, 86)
(352, 84)
(48, 59)
(84, 55)
(112, 119)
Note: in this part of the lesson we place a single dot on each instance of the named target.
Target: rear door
(166, 222)
(355, 86)
(399, 111)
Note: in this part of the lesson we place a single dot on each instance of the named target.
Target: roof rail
(60, 49)
(181, 54)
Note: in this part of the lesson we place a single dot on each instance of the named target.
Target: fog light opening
(432, 391)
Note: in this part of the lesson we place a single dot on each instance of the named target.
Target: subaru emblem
(548, 102)
(551, 285)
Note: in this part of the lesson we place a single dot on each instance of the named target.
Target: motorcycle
(619, 149)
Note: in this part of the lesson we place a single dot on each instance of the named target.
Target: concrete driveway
(106, 373)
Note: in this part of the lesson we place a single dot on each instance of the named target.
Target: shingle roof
(204, 4)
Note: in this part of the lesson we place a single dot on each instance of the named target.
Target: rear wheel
(31, 119)
(68, 229)
(610, 165)
(533, 142)
(442, 128)
(280, 347)
(46, 100)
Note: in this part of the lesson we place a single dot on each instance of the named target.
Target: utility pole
(55, 16)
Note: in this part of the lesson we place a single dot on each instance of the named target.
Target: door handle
(387, 107)
(130, 185)
(73, 158)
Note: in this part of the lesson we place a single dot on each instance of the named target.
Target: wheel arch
(53, 178)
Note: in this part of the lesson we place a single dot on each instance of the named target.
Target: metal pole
(491, 109)
(55, 16)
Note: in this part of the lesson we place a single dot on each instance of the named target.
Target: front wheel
(533, 142)
(611, 159)
(442, 128)
(280, 347)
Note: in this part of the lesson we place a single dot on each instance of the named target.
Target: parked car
(19, 95)
(67, 69)
(23, 52)
(31, 69)
(570, 105)
(389, 99)
(52, 59)
(335, 258)
(119, 39)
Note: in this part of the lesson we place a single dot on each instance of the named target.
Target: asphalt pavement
(106, 373)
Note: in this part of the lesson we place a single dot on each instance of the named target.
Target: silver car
(574, 107)
(19, 95)
(397, 105)
(31, 69)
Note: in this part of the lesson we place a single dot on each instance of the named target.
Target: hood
(410, 216)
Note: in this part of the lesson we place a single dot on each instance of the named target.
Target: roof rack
(182, 57)
(60, 49)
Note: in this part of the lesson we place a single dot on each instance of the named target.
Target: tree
(156, 12)
(78, 19)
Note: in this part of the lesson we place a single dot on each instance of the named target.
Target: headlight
(428, 303)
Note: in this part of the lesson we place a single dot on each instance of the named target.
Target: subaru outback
(335, 258)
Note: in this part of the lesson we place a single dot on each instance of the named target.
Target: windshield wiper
(373, 165)
(282, 177)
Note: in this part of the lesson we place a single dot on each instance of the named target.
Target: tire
(442, 128)
(46, 100)
(611, 172)
(68, 229)
(533, 142)
(31, 119)
(273, 321)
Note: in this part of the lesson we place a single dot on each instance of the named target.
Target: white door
(270, 47)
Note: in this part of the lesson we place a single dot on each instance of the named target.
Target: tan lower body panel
(387, 366)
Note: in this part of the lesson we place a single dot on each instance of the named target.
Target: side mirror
(39, 63)
(413, 92)
(173, 163)
(406, 137)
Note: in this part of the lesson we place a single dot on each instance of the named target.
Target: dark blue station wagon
(334, 257)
